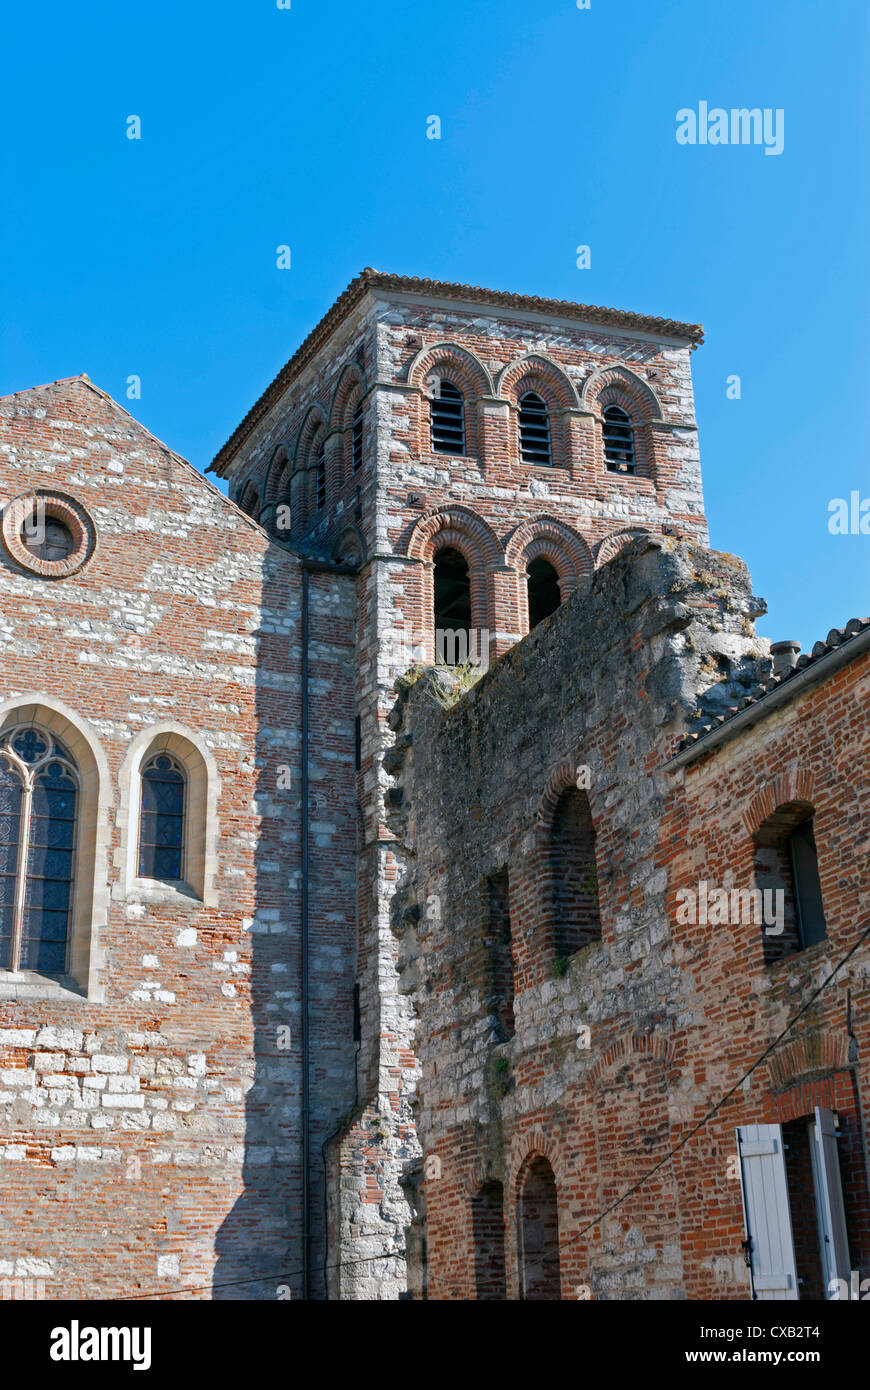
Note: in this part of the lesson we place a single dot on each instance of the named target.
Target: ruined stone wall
(594, 696)
(150, 1131)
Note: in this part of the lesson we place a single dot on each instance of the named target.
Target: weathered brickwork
(389, 516)
(149, 1111)
(476, 912)
(621, 1048)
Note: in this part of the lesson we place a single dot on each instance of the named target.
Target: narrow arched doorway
(538, 1232)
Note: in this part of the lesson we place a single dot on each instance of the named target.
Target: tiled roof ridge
(837, 637)
(444, 289)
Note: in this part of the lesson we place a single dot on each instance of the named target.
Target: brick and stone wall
(389, 516)
(149, 1115)
(618, 1050)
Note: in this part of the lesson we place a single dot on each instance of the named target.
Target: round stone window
(48, 533)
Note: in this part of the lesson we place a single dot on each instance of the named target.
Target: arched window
(320, 476)
(544, 593)
(452, 607)
(538, 1231)
(618, 440)
(576, 912)
(787, 899)
(250, 500)
(356, 438)
(161, 821)
(39, 787)
(447, 415)
(534, 429)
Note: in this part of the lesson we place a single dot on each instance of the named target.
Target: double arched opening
(536, 1234)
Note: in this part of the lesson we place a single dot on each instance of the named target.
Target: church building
(417, 877)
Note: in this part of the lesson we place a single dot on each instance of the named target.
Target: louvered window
(534, 430)
(320, 477)
(38, 795)
(448, 419)
(618, 440)
(356, 438)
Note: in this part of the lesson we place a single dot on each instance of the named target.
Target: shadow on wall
(260, 1246)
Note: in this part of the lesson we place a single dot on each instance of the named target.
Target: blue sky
(307, 127)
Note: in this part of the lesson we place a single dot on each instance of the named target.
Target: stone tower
(464, 458)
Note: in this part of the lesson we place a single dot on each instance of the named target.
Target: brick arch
(793, 784)
(611, 546)
(281, 459)
(300, 475)
(479, 1175)
(249, 499)
(561, 778)
(619, 385)
(651, 1046)
(525, 1148)
(545, 921)
(350, 391)
(351, 385)
(468, 373)
(465, 531)
(538, 1218)
(350, 541)
(314, 421)
(472, 375)
(460, 520)
(805, 1060)
(536, 372)
(551, 540)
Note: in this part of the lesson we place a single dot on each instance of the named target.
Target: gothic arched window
(38, 793)
(618, 440)
(447, 414)
(161, 823)
(534, 429)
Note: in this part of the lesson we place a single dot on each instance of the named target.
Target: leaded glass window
(38, 796)
(161, 828)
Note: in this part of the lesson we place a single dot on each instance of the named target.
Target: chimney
(785, 655)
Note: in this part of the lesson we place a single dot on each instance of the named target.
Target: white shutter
(765, 1211)
(829, 1199)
